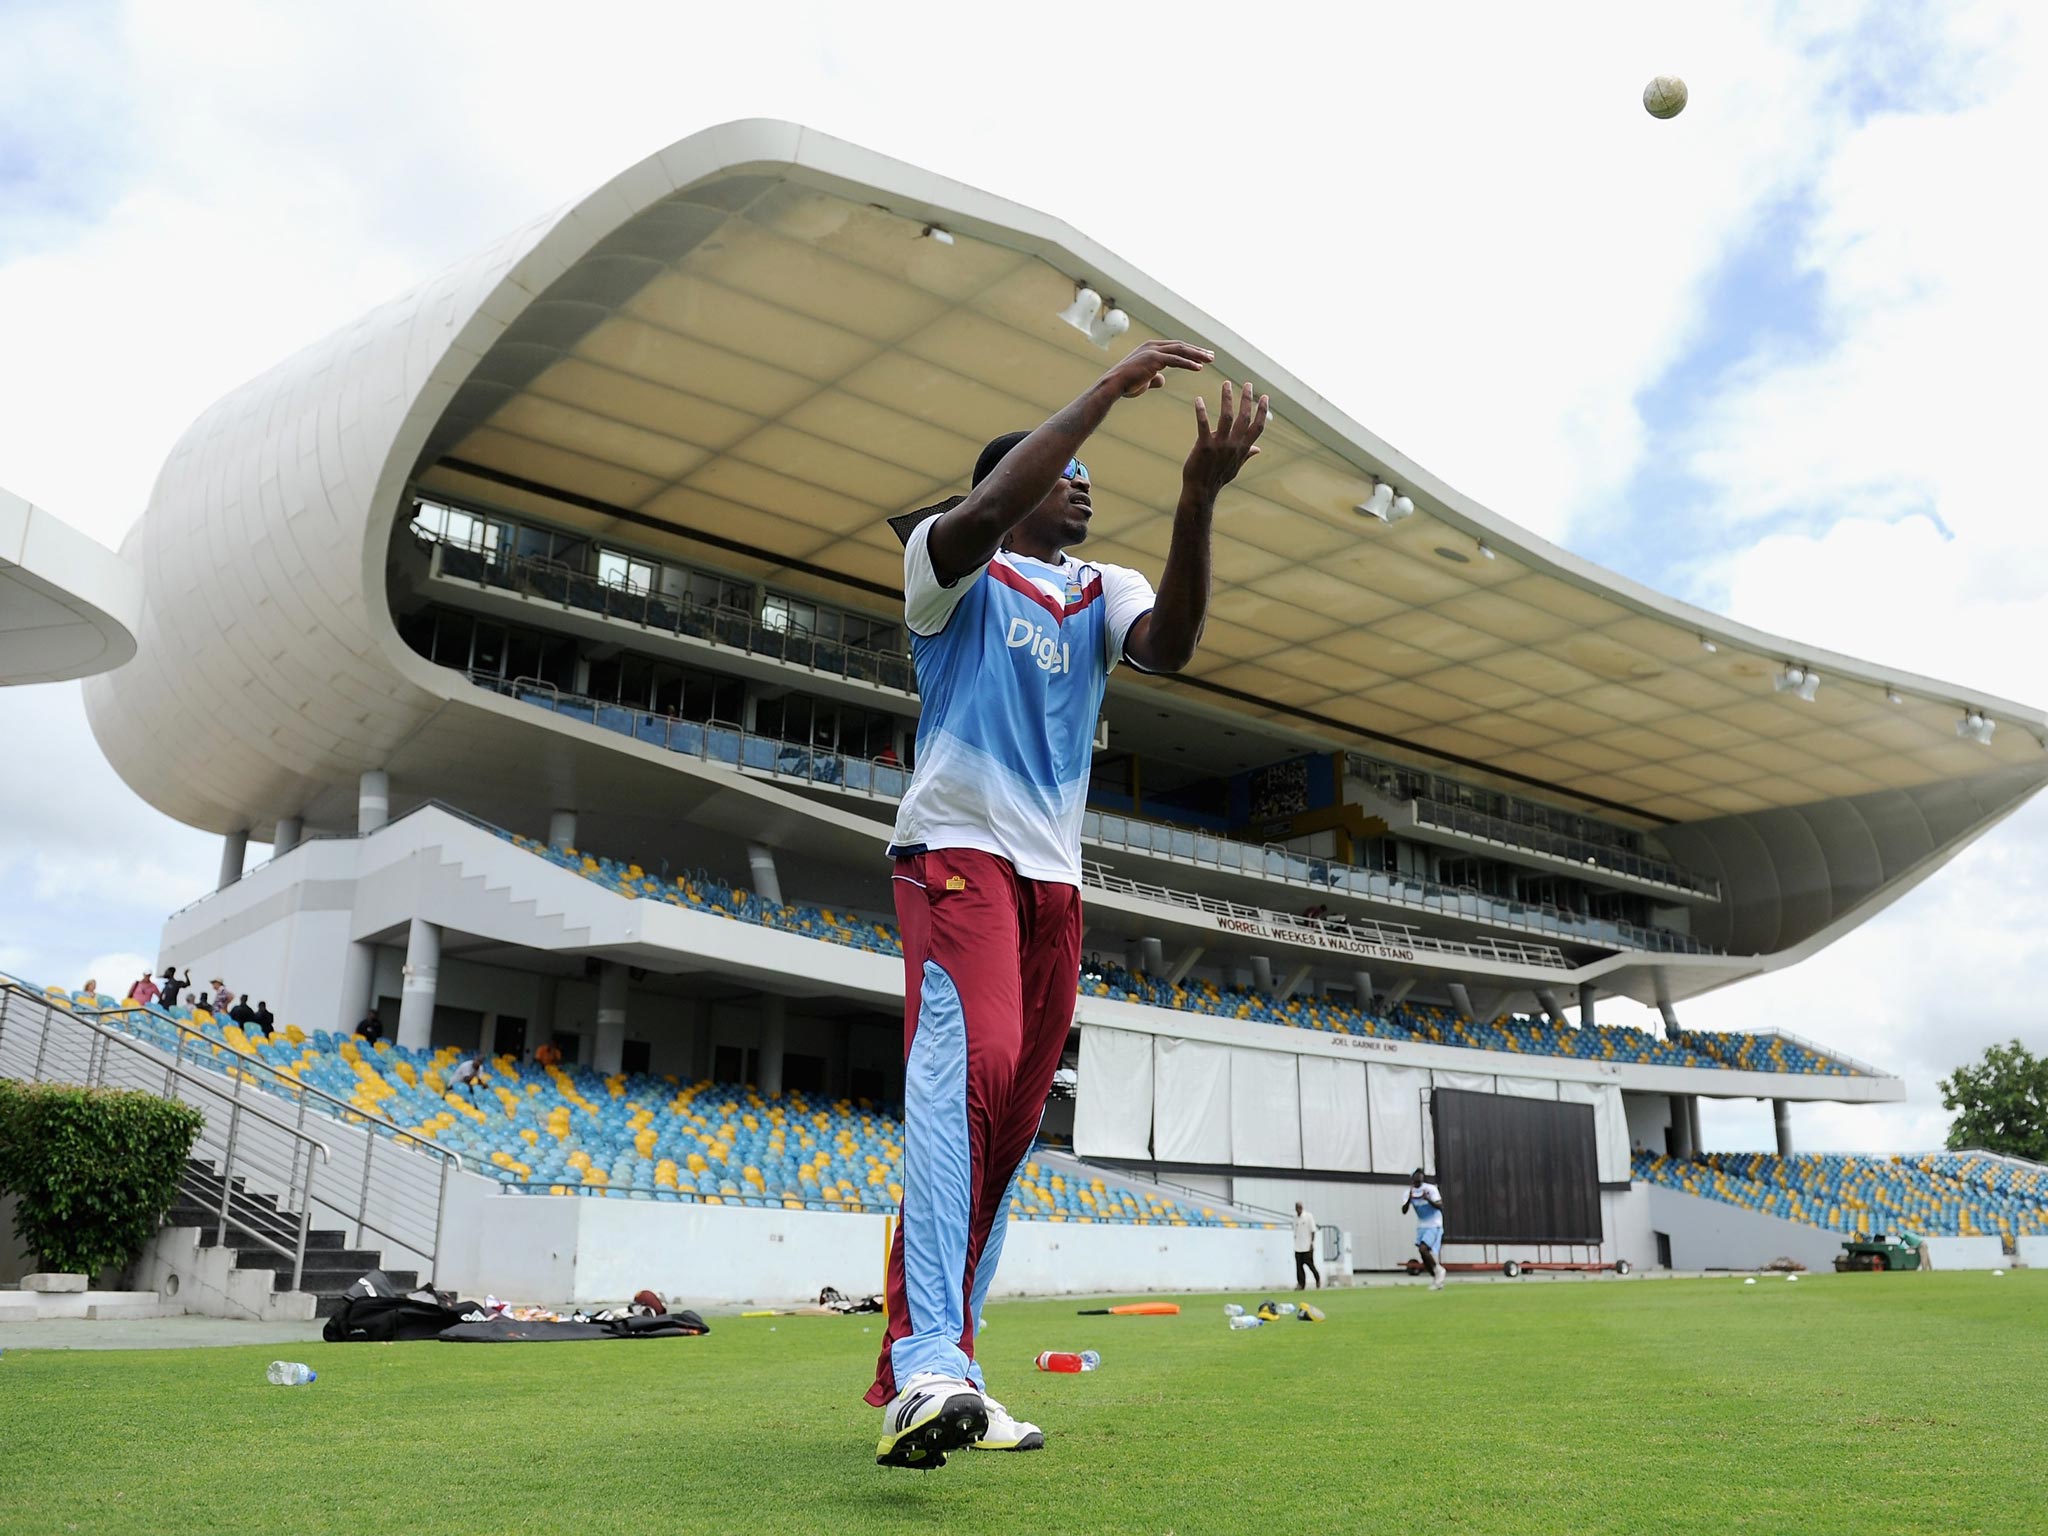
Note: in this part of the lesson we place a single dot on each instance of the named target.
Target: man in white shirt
(1428, 1206)
(1305, 1249)
(1013, 640)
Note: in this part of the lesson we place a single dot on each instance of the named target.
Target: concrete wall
(558, 1249)
(1963, 1253)
(1711, 1234)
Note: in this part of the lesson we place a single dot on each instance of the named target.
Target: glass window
(615, 569)
(522, 654)
(604, 681)
(636, 681)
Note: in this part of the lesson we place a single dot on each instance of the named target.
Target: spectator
(242, 1013)
(468, 1073)
(173, 985)
(144, 991)
(223, 999)
(888, 758)
(265, 1019)
(372, 1027)
(1305, 1249)
(548, 1054)
(90, 989)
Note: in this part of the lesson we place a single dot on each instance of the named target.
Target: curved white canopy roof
(748, 350)
(68, 604)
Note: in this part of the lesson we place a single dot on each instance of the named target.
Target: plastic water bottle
(1286, 1309)
(1232, 1309)
(289, 1373)
(1242, 1321)
(1061, 1360)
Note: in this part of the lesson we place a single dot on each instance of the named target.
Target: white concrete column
(562, 829)
(1361, 985)
(1262, 973)
(609, 1055)
(234, 848)
(1461, 999)
(1681, 1127)
(1692, 1120)
(1155, 956)
(1588, 995)
(774, 1032)
(487, 1037)
(767, 884)
(422, 977)
(1781, 1122)
(289, 830)
(358, 986)
(373, 800)
(1672, 1028)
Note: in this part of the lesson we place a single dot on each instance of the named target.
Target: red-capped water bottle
(1061, 1360)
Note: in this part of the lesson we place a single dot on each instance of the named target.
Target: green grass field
(1842, 1403)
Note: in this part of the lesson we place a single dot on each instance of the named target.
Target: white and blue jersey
(1011, 665)
(1428, 1206)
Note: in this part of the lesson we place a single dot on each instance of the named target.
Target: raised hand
(1223, 449)
(1145, 367)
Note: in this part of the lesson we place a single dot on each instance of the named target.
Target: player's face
(1061, 520)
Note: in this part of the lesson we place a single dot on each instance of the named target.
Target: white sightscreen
(1610, 1125)
(1265, 1109)
(1528, 1087)
(1333, 1118)
(1395, 1094)
(1113, 1098)
(1190, 1101)
(1469, 1082)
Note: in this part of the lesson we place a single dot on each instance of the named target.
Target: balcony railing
(712, 741)
(1532, 827)
(1511, 834)
(551, 581)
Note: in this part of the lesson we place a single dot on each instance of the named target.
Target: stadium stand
(568, 1130)
(1751, 1053)
(1942, 1194)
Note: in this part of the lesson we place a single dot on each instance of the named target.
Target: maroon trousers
(990, 964)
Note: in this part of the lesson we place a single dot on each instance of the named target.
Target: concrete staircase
(243, 1270)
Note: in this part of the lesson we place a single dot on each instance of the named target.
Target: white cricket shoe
(1007, 1434)
(931, 1415)
(1438, 1283)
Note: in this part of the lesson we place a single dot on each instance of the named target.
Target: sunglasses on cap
(1075, 470)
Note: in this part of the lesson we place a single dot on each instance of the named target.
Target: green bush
(92, 1170)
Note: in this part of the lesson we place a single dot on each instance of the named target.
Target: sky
(1777, 356)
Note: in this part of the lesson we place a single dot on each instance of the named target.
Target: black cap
(994, 454)
(1418, 1173)
(903, 524)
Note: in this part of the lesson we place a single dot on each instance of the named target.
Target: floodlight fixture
(1893, 696)
(937, 235)
(1486, 553)
(1801, 682)
(1401, 508)
(1708, 646)
(1088, 316)
(1378, 503)
(1974, 726)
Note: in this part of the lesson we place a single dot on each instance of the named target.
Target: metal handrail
(210, 1191)
(1512, 834)
(1360, 930)
(750, 753)
(289, 1088)
(532, 577)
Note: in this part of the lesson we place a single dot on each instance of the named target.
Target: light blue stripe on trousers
(938, 1185)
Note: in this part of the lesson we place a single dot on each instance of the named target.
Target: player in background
(1428, 1206)
(1013, 639)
